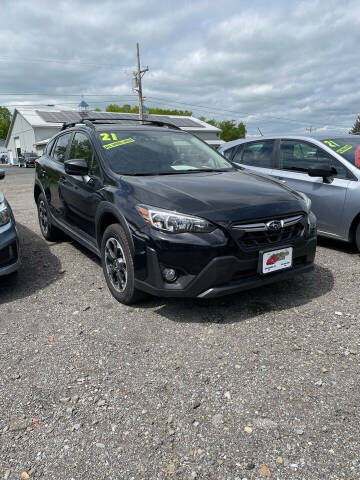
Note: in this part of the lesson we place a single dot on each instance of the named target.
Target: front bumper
(9, 249)
(227, 270)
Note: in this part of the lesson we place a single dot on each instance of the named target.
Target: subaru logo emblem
(274, 225)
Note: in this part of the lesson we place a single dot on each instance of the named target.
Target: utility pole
(138, 85)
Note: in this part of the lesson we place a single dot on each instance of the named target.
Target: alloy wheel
(43, 217)
(115, 264)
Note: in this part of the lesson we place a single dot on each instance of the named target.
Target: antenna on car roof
(260, 131)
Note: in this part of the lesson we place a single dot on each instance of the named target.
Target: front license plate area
(275, 260)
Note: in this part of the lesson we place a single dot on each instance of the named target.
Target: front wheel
(357, 237)
(118, 265)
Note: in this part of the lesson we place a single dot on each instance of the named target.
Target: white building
(30, 130)
(2, 147)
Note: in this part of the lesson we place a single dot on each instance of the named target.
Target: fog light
(169, 275)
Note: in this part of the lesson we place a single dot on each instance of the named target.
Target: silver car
(326, 169)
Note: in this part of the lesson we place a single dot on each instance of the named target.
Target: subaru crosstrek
(167, 214)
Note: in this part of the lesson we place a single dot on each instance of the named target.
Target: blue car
(9, 242)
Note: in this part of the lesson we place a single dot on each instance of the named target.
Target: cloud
(279, 66)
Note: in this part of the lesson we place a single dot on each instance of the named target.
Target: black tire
(118, 265)
(357, 237)
(49, 232)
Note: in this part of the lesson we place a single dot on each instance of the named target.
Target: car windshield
(159, 152)
(348, 148)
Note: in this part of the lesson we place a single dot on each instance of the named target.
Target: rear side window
(228, 153)
(59, 151)
(81, 147)
(257, 154)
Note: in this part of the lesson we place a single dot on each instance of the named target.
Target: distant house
(30, 130)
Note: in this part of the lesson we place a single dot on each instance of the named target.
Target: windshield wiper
(196, 170)
(138, 174)
(193, 170)
(177, 172)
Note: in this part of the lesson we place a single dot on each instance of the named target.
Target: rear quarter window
(228, 152)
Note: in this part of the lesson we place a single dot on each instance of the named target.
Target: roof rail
(92, 121)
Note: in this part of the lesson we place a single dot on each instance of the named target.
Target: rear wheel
(118, 265)
(49, 232)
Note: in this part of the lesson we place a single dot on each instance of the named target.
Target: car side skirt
(75, 236)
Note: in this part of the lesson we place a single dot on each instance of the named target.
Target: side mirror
(325, 172)
(2, 174)
(76, 166)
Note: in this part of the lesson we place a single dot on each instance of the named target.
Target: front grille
(257, 235)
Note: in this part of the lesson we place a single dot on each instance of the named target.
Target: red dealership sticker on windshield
(357, 157)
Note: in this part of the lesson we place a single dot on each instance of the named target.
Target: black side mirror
(325, 172)
(2, 174)
(76, 166)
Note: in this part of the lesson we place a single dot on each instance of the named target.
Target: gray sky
(282, 65)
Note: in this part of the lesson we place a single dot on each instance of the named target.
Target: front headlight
(4, 214)
(306, 200)
(173, 222)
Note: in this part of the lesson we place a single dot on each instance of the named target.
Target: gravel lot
(263, 384)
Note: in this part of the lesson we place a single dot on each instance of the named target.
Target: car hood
(221, 197)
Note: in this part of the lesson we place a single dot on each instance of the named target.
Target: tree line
(5, 121)
(230, 130)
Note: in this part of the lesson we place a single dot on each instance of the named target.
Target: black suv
(167, 214)
(27, 160)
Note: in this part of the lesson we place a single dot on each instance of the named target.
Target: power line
(173, 103)
(66, 95)
(202, 107)
(70, 62)
(52, 104)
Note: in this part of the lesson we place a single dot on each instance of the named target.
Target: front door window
(81, 148)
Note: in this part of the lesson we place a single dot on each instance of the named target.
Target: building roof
(56, 118)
